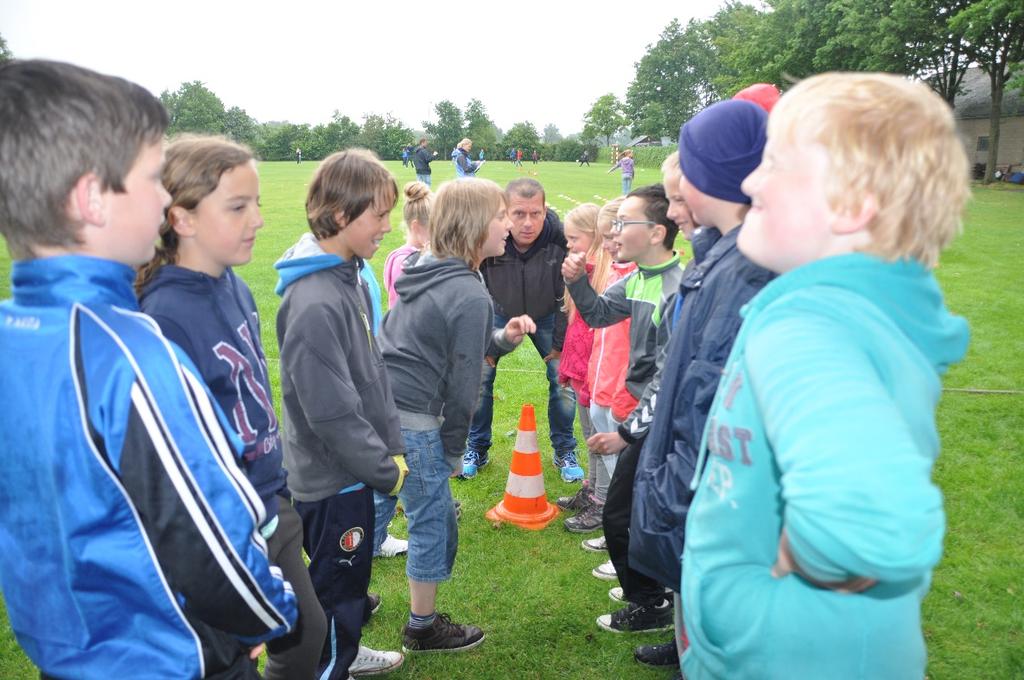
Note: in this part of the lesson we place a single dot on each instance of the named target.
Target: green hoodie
(823, 424)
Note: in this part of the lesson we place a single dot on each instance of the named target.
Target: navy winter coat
(713, 292)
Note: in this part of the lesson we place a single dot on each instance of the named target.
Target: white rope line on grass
(979, 390)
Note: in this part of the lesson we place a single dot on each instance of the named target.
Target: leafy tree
(551, 134)
(672, 81)
(604, 118)
(194, 108)
(5, 51)
(479, 127)
(240, 126)
(447, 131)
(522, 136)
(384, 135)
(341, 133)
(993, 32)
(278, 141)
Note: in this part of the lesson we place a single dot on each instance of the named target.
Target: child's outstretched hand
(518, 327)
(574, 266)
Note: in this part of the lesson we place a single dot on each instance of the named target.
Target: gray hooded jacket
(434, 340)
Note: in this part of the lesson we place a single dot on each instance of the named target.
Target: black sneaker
(588, 520)
(664, 654)
(442, 636)
(636, 618)
(579, 501)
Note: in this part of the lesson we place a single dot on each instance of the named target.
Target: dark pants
(338, 537)
(295, 656)
(636, 587)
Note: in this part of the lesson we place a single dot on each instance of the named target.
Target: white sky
(545, 61)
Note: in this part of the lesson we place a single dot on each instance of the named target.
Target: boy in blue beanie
(718, 148)
(811, 540)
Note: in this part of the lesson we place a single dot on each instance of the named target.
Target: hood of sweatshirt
(302, 259)
(429, 271)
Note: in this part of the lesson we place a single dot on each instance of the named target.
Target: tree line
(781, 41)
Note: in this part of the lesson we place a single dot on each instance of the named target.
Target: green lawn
(532, 592)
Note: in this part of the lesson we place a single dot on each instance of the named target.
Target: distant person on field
(343, 436)
(536, 157)
(481, 155)
(405, 156)
(526, 279)
(130, 535)
(434, 341)
(519, 158)
(298, 155)
(816, 517)
(191, 291)
(464, 165)
(421, 159)
(626, 164)
(584, 158)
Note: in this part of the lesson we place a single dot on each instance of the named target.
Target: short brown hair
(462, 213)
(59, 122)
(192, 170)
(524, 187)
(888, 138)
(347, 182)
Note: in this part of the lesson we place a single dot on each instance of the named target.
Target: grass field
(532, 592)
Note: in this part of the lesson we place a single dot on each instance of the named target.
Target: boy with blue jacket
(815, 527)
(122, 492)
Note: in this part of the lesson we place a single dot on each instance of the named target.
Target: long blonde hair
(605, 215)
(583, 218)
(192, 170)
(462, 214)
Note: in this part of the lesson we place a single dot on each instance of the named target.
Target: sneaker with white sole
(638, 618)
(371, 662)
(597, 544)
(472, 461)
(442, 636)
(605, 572)
(579, 501)
(393, 546)
(616, 594)
(589, 519)
(568, 466)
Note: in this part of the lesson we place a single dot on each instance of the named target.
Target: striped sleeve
(168, 445)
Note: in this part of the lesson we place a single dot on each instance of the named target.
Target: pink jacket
(609, 359)
(573, 366)
(394, 265)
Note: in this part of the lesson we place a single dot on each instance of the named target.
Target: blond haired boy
(811, 540)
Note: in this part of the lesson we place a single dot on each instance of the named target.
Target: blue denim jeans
(627, 185)
(429, 508)
(383, 512)
(423, 178)
(561, 400)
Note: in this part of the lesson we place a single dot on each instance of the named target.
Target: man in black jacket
(421, 158)
(527, 279)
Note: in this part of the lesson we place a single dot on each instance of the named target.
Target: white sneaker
(595, 544)
(393, 546)
(371, 662)
(616, 594)
(605, 571)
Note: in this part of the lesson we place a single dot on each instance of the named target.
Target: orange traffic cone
(525, 504)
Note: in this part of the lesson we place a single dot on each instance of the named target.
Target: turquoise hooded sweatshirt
(823, 425)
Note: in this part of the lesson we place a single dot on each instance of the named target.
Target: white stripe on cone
(526, 442)
(525, 487)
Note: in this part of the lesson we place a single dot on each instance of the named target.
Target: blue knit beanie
(721, 145)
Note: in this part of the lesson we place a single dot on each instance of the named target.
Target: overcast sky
(545, 61)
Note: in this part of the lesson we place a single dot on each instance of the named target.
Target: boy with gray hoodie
(342, 436)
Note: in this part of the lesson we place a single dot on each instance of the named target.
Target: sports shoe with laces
(617, 594)
(578, 501)
(605, 572)
(472, 461)
(371, 662)
(393, 546)
(637, 618)
(441, 636)
(597, 544)
(664, 654)
(568, 466)
(589, 519)
(373, 602)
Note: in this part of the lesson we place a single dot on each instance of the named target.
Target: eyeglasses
(619, 225)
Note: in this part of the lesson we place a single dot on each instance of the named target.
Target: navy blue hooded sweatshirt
(216, 323)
